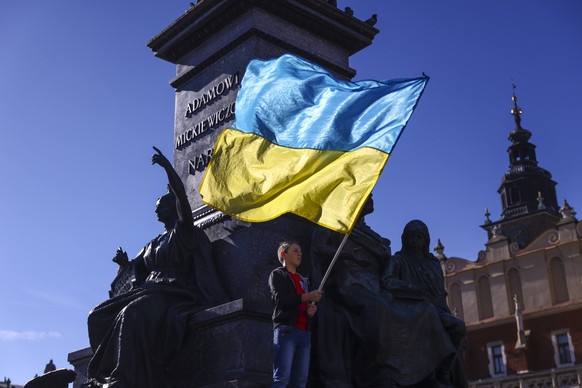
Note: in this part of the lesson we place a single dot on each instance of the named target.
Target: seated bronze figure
(133, 334)
(385, 320)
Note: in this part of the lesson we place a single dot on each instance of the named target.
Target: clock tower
(528, 193)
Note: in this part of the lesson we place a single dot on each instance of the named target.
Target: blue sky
(82, 100)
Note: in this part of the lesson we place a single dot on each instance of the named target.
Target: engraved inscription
(209, 122)
(200, 162)
(211, 94)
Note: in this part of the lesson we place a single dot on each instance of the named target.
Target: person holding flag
(293, 306)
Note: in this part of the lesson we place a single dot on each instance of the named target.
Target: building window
(514, 290)
(485, 303)
(514, 196)
(497, 360)
(558, 281)
(456, 300)
(563, 349)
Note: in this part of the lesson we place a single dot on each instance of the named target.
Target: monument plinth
(211, 45)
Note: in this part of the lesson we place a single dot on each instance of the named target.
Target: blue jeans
(292, 351)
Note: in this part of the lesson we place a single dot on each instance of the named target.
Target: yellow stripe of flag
(255, 180)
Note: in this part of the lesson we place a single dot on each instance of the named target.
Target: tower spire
(528, 193)
(516, 110)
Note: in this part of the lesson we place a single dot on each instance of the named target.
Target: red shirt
(302, 317)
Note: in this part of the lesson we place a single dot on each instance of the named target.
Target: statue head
(416, 239)
(166, 208)
(368, 207)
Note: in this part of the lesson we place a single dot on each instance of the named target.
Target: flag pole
(337, 253)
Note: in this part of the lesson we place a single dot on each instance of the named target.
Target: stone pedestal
(80, 361)
(211, 45)
(229, 345)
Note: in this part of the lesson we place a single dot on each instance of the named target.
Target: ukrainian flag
(306, 143)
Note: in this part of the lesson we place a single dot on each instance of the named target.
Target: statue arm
(137, 265)
(386, 252)
(177, 186)
(140, 271)
(396, 280)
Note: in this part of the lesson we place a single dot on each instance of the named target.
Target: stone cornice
(183, 78)
(529, 314)
(208, 16)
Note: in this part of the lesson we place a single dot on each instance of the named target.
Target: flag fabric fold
(306, 143)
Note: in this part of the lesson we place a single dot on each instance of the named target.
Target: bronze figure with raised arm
(135, 333)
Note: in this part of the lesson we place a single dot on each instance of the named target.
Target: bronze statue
(384, 321)
(133, 334)
(422, 343)
(347, 328)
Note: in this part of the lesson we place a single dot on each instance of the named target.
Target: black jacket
(285, 299)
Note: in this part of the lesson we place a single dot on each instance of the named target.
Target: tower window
(558, 281)
(497, 361)
(514, 196)
(485, 302)
(563, 349)
(514, 290)
(456, 300)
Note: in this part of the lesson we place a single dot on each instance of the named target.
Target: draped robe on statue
(384, 320)
(347, 329)
(134, 333)
(424, 340)
(414, 343)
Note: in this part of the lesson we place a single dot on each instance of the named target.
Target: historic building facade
(522, 298)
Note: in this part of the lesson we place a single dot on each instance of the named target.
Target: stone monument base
(226, 346)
